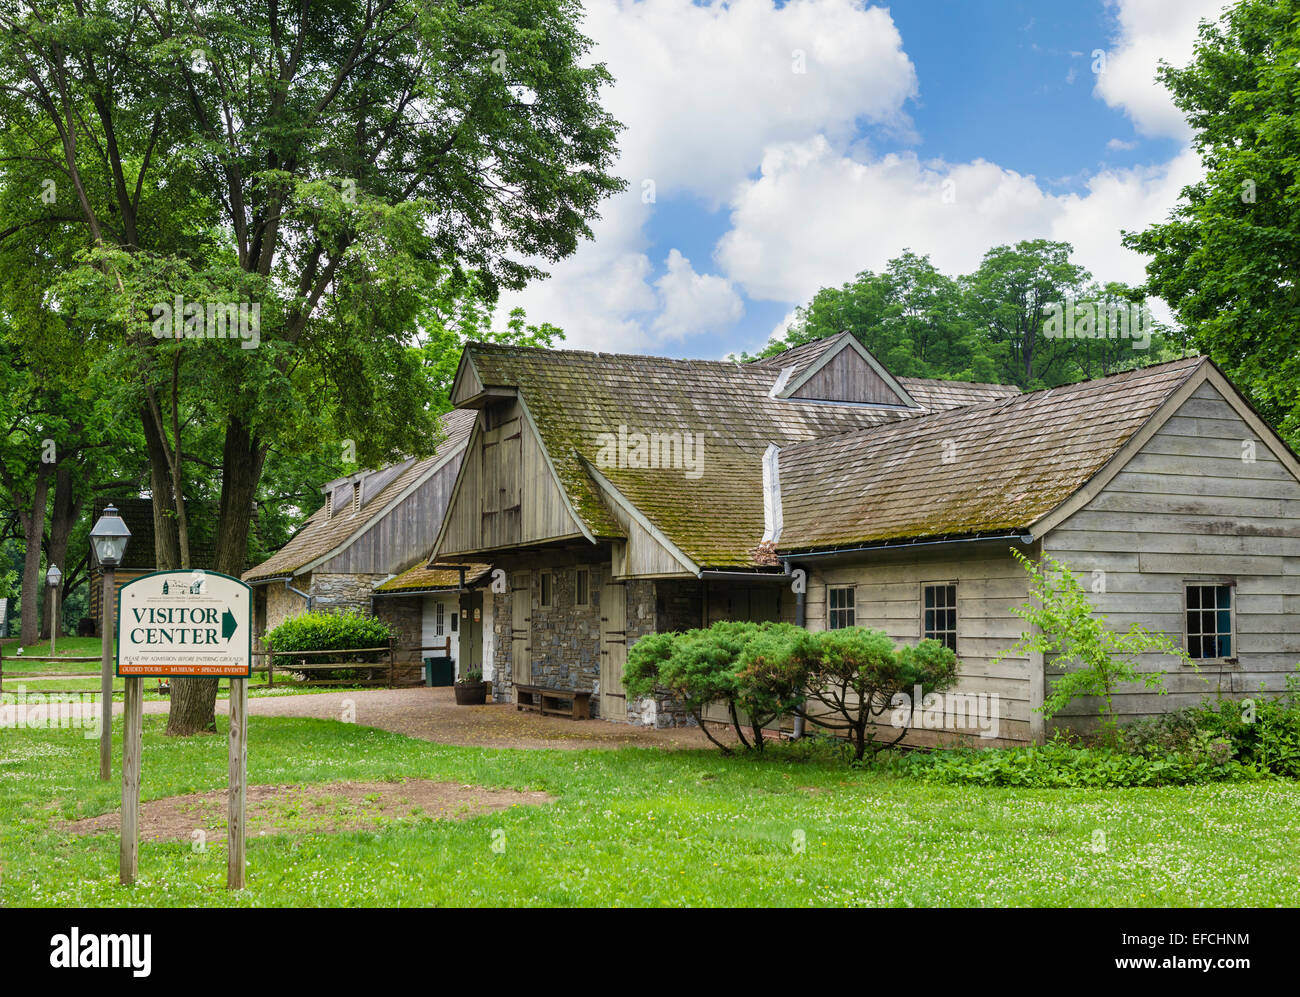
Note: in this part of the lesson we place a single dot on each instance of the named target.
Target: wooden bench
(570, 703)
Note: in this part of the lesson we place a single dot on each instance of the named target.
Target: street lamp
(52, 579)
(108, 539)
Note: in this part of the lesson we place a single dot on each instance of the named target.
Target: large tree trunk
(166, 540)
(194, 700)
(33, 520)
(63, 517)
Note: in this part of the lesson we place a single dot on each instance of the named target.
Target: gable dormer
(836, 369)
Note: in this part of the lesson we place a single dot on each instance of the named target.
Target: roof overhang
(858, 551)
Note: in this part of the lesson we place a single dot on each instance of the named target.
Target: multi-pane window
(439, 617)
(939, 614)
(840, 607)
(546, 588)
(1209, 621)
(581, 587)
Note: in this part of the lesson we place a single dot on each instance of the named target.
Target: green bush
(1096, 660)
(853, 674)
(699, 667)
(329, 631)
(1061, 766)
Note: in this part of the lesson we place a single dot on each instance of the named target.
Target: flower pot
(471, 693)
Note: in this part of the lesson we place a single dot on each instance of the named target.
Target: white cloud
(1117, 144)
(715, 113)
(815, 217)
(703, 89)
(693, 302)
(1149, 31)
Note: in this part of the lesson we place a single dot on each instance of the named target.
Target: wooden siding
(468, 384)
(847, 377)
(887, 596)
(1188, 507)
(642, 555)
(506, 495)
(404, 536)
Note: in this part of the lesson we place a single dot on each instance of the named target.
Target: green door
(471, 631)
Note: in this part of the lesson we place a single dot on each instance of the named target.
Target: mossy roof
(423, 578)
(985, 469)
(322, 533)
(716, 519)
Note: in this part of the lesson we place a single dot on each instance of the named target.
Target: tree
(702, 667)
(910, 317)
(1095, 659)
(1228, 258)
(330, 164)
(1008, 297)
(853, 675)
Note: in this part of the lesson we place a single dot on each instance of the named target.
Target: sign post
(184, 623)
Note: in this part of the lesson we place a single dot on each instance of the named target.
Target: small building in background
(373, 526)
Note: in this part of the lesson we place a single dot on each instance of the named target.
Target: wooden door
(521, 628)
(613, 650)
(471, 632)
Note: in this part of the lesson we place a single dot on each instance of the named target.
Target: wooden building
(373, 527)
(141, 556)
(621, 495)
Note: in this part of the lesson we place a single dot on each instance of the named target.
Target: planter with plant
(471, 690)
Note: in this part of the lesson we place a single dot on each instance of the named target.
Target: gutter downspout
(298, 592)
(800, 620)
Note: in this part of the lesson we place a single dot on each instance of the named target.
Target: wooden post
(238, 783)
(106, 683)
(132, 737)
(270, 671)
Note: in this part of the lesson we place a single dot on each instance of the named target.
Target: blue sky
(792, 145)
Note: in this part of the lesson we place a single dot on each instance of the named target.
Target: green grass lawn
(645, 827)
(64, 647)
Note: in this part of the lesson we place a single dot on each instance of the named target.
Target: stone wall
(342, 592)
(566, 636)
(646, 602)
(403, 614)
(501, 674)
(281, 604)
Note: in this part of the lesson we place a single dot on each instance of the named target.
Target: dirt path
(432, 715)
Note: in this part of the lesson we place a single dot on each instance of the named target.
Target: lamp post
(108, 540)
(52, 579)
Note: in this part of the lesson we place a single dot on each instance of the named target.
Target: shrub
(324, 631)
(1096, 658)
(854, 673)
(1060, 766)
(1263, 732)
(699, 667)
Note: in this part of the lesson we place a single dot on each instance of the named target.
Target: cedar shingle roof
(322, 533)
(423, 578)
(717, 518)
(801, 357)
(937, 395)
(1011, 462)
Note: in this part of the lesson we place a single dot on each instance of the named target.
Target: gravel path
(432, 715)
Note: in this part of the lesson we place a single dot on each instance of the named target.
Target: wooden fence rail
(264, 663)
